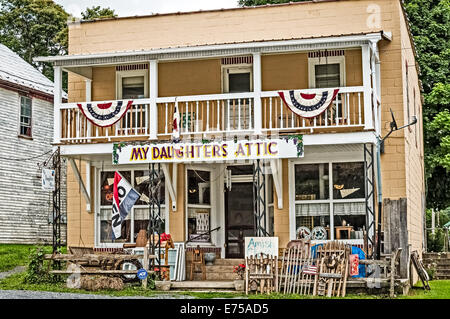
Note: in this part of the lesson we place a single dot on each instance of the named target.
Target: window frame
(330, 201)
(99, 207)
(131, 73)
(312, 62)
(210, 206)
(235, 69)
(19, 133)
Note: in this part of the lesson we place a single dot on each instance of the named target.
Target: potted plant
(239, 282)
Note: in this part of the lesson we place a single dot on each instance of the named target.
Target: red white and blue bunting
(105, 114)
(309, 104)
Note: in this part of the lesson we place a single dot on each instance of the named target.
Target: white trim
(98, 207)
(335, 42)
(332, 158)
(235, 69)
(213, 218)
(276, 166)
(365, 52)
(120, 75)
(312, 62)
(57, 99)
(79, 179)
(153, 116)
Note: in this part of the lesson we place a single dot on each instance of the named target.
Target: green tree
(96, 12)
(430, 26)
(34, 28)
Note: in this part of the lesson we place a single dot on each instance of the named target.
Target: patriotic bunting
(105, 114)
(309, 104)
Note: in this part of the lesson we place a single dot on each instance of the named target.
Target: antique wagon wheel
(130, 277)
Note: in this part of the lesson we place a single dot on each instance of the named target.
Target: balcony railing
(233, 114)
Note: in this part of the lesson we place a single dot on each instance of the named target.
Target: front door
(239, 218)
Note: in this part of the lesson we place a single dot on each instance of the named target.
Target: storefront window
(311, 182)
(199, 187)
(199, 205)
(138, 218)
(348, 180)
(320, 216)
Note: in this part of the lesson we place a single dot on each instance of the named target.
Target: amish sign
(255, 246)
(48, 179)
(208, 152)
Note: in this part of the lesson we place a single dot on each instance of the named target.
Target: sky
(144, 7)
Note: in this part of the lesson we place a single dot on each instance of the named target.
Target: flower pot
(210, 258)
(239, 285)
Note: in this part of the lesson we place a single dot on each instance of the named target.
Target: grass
(440, 289)
(12, 255)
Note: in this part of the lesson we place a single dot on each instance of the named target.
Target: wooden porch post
(57, 99)
(257, 90)
(153, 94)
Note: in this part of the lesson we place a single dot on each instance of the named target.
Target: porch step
(223, 269)
(228, 262)
(202, 285)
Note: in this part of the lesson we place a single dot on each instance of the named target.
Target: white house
(26, 132)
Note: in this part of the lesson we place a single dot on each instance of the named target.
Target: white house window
(326, 72)
(138, 218)
(332, 202)
(199, 205)
(25, 116)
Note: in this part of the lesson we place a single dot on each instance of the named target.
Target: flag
(176, 124)
(354, 265)
(310, 270)
(124, 197)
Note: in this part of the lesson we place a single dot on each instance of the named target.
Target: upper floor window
(25, 116)
(132, 82)
(237, 79)
(326, 69)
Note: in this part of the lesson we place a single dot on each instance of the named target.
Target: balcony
(219, 115)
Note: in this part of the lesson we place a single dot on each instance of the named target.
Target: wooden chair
(198, 260)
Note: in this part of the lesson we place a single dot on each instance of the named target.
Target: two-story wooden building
(221, 72)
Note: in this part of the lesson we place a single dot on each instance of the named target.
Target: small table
(340, 228)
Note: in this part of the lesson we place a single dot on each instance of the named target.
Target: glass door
(239, 218)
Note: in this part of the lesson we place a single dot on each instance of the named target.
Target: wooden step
(228, 262)
(200, 285)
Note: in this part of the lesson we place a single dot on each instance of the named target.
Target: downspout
(380, 197)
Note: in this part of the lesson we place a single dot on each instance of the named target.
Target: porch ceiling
(216, 50)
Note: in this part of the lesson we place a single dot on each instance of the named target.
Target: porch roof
(219, 49)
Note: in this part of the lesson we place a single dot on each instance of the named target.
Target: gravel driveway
(27, 294)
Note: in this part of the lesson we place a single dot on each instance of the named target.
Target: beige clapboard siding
(25, 208)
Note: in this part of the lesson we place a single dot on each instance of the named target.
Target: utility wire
(24, 159)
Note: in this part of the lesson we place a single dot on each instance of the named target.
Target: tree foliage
(34, 28)
(430, 26)
(97, 12)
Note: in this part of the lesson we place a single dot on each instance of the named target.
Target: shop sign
(254, 246)
(208, 151)
(48, 180)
